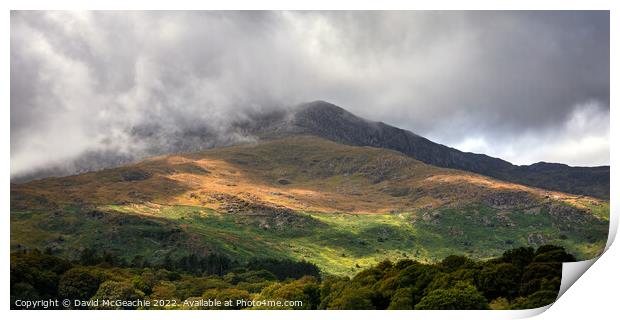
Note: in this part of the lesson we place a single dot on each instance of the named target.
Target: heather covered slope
(301, 197)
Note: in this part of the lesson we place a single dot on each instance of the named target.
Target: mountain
(299, 197)
(334, 123)
(328, 121)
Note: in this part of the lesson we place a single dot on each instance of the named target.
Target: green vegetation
(519, 278)
(336, 242)
(342, 208)
(339, 243)
(299, 219)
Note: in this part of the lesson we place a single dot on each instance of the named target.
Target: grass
(339, 243)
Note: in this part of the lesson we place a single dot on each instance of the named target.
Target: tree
(89, 257)
(534, 274)
(537, 300)
(417, 276)
(113, 290)
(353, 299)
(305, 289)
(498, 280)
(284, 269)
(519, 257)
(331, 288)
(144, 282)
(449, 280)
(551, 253)
(164, 290)
(463, 297)
(78, 283)
(23, 291)
(453, 262)
(402, 300)
(38, 270)
(500, 303)
(226, 294)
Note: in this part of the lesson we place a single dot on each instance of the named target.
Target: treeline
(521, 278)
(213, 263)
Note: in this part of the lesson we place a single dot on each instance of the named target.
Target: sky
(522, 86)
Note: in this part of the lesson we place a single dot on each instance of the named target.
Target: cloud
(583, 140)
(123, 83)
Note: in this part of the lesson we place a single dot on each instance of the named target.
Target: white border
(601, 286)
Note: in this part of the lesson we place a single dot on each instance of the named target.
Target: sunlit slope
(299, 173)
(299, 197)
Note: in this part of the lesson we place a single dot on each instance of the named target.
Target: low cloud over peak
(524, 86)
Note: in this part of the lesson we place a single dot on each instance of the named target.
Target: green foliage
(35, 274)
(520, 257)
(284, 269)
(402, 299)
(499, 280)
(78, 283)
(520, 278)
(114, 290)
(536, 300)
(500, 303)
(335, 242)
(353, 298)
(226, 294)
(551, 253)
(453, 262)
(145, 281)
(461, 297)
(449, 280)
(306, 289)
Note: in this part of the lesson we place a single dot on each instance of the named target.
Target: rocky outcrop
(509, 200)
(135, 175)
(569, 213)
(536, 239)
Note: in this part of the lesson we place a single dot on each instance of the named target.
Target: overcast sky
(522, 86)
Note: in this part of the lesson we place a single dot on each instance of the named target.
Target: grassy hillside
(341, 207)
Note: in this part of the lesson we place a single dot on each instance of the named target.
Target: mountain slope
(331, 122)
(299, 197)
(334, 123)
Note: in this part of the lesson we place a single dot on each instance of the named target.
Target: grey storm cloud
(524, 86)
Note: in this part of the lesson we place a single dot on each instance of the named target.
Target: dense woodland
(521, 278)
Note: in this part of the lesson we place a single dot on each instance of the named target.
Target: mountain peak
(329, 121)
(322, 110)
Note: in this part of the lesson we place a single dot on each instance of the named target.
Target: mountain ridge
(334, 123)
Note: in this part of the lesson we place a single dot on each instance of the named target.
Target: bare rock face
(503, 219)
(263, 215)
(569, 214)
(135, 175)
(532, 211)
(432, 217)
(509, 200)
(536, 239)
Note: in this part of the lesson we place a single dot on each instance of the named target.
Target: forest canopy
(521, 278)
